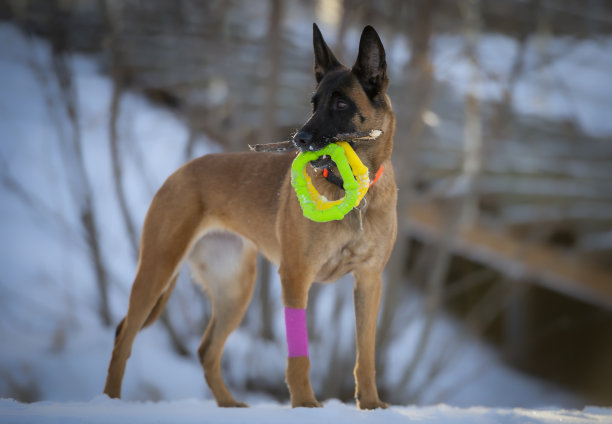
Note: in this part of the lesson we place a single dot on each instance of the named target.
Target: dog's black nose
(302, 139)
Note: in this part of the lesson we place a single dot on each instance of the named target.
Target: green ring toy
(354, 176)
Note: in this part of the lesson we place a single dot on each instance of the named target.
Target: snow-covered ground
(103, 410)
(52, 343)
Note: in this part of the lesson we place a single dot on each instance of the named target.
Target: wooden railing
(542, 264)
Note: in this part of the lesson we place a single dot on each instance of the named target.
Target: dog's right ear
(325, 60)
(371, 65)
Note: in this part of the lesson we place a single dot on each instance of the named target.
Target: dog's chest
(344, 256)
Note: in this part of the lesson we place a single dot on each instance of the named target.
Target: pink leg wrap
(297, 335)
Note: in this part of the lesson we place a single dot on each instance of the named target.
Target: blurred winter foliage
(499, 130)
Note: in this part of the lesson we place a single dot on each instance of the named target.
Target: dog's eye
(340, 105)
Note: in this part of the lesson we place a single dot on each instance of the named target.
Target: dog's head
(349, 100)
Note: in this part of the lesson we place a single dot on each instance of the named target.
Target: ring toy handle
(354, 176)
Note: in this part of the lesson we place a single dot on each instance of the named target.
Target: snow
(547, 87)
(47, 292)
(55, 348)
(104, 410)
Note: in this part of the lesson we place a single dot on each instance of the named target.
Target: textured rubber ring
(354, 176)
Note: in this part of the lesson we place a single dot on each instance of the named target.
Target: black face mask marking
(332, 112)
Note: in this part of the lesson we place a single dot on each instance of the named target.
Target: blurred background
(499, 290)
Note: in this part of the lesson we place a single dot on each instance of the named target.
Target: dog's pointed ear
(325, 60)
(371, 65)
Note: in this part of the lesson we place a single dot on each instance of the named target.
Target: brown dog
(217, 211)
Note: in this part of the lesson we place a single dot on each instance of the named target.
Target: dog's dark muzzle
(309, 142)
(304, 141)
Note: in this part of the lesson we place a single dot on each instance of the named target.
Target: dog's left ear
(371, 65)
(325, 61)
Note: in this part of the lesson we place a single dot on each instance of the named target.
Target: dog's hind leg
(173, 221)
(225, 265)
(158, 309)
(155, 313)
(145, 306)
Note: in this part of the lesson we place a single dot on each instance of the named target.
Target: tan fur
(219, 210)
(249, 194)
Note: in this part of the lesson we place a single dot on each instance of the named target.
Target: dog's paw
(232, 404)
(307, 404)
(371, 404)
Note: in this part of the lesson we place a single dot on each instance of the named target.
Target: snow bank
(104, 410)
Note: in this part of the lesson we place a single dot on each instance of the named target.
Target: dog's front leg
(295, 299)
(368, 286)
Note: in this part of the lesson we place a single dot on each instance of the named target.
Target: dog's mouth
(313, 147)
(324, 161)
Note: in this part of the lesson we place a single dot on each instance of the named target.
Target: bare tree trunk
(191, 142)
(118, 78)
(434, 294)
(421, 34)
(502, 119)
(116, 162)
(419, 85)
(119, 83)
(79, 179)
(268, 133)
(463, 211)
(472, 160)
